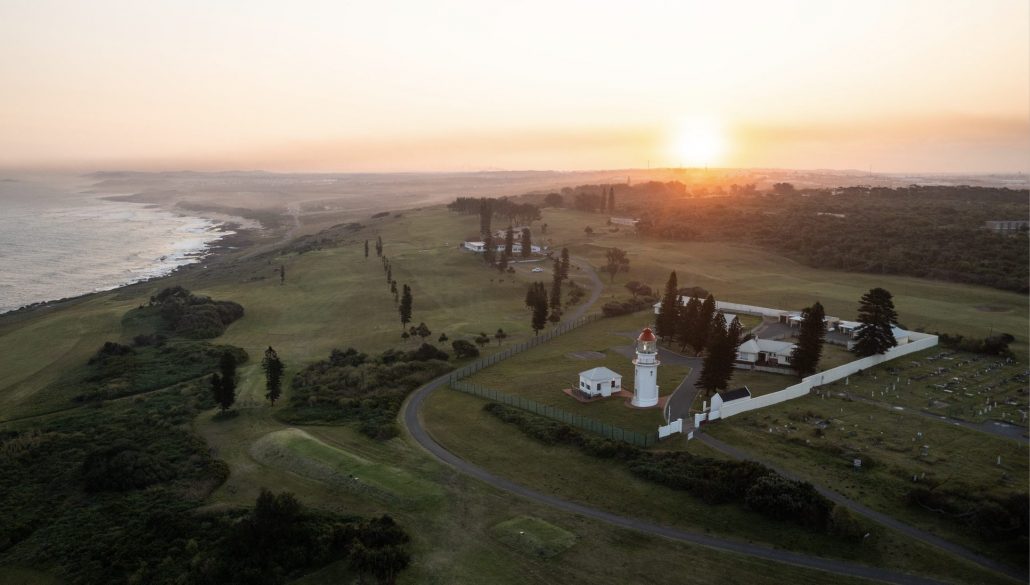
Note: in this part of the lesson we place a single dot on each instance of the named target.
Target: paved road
(875, 516)
(411, 418)
(681, 399)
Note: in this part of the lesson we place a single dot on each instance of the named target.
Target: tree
(611, 199)
(877, 316)
(564, 263)
(537, 301)
(464, 349)
(717, 368)
(543, 229)
(783, 188)
(405, 306)
(224, 386)
(703, 326)
(509, 242)
(500, 335)
(617, 262)
(282, 274)
(665, 321)
(804, 358)
(422, 331)
(633, 286)
(555, 300)
(527, 242)
(689, 317)
(379, 246)
(273, 368)
(442, 338)
(588, 231)
(554, 200)
(486, 212)
(366, 249)
(482, 338)
(489, 252)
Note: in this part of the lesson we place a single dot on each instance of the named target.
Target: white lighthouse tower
(645, 373)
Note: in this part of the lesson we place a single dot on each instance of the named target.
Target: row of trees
(488, 208)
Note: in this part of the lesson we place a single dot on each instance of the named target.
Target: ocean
(57, 241)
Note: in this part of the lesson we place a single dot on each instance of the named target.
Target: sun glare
(698, 142)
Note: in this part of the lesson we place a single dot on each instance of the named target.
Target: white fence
(920, 341)
(748, 309)
(675, 426)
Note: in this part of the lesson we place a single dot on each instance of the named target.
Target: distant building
(600, 382)
(480, 247)
(1008, 227)
(516, 234)
(624, 221)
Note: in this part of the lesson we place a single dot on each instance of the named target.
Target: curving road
(411, 419)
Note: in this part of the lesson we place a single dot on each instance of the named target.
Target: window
(613, 383)
(598, 386)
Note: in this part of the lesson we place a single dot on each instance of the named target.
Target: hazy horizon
(913, 87)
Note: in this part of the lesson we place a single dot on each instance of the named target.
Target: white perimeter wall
(920, 341)
(748, 309)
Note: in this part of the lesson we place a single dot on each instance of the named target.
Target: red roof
(646, 335)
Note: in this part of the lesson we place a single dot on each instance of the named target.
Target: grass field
(542, 373)
(745, 274)
(333, 297)
(567, 472)
(957, 384)
(818, 437)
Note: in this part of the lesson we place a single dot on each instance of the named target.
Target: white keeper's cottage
(600, 382)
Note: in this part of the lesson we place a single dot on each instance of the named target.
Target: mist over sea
(57, 242)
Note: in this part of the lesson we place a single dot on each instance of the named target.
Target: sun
(698, 142)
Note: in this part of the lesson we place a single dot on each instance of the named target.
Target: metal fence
(552, 412)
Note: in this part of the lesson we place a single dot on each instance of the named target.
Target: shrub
(464, 349)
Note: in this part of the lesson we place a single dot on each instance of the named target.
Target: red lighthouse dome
(646, 335)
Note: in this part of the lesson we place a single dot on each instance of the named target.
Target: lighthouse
(645, 373)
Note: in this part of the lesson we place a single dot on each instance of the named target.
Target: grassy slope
(751, 275)
(334, 298)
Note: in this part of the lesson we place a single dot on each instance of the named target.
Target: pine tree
(536, 300)
(489, 253)
(877, 316)
(216, 390)
(485, 215)
(703, 327)
(405, 307)
(282, 274)
(687, 322)
(668, 311)
(555, 300)
(422, 331)
(273, 368)
(527, 242)
(804, 358)
(565, 263)
(366, 249)
(509, 242)
(500, 336)
(379, 246)
(611, 199)
(713, 368)
(225, 395)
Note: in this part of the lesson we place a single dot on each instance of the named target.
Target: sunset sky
(898, 85)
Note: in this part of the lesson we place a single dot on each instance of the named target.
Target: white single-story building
(794, 319)
(850, 328)
(516, 234)
(728, 396)
(600, 382)
(765, 352)
(516, 248)
(624, 221)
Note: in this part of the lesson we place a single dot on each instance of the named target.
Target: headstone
(857, 463)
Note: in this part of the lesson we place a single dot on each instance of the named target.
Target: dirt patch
(585, 355)
(992, 309)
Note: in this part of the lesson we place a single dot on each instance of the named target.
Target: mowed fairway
(746, 274)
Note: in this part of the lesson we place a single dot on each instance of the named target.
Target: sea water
(57, 242)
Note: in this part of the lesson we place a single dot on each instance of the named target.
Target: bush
(110, 349)
(192, 316)
(427, 352)
(784, 499)
(121, 468)
(464, 349)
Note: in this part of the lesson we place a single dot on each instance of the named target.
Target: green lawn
(566, 472)
(746, 274)
(534, 536)
(890, 444)
(543, 372)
